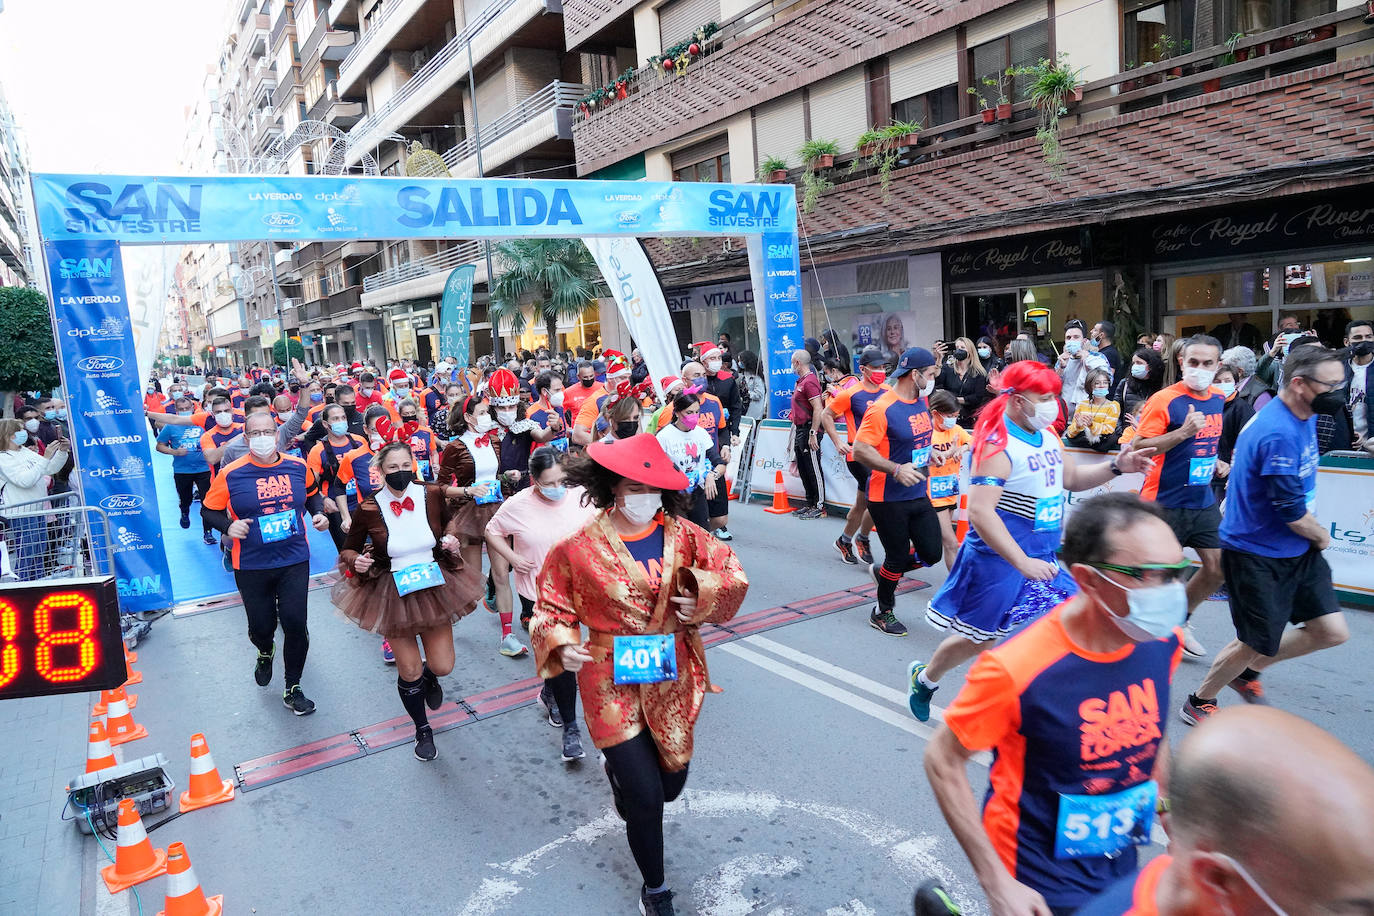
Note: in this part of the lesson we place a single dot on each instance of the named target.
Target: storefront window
(1232, 289)
(1065, 302)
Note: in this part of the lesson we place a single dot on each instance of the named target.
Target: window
(1251, 16)
(1022, 48)
(939, 106)
(305, 15)
(708, 160)
(1156, 31)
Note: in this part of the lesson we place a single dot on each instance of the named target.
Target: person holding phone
(642, 579)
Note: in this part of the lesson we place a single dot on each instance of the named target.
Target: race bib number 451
(645, 659)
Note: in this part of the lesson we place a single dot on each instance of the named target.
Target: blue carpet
(197, 569)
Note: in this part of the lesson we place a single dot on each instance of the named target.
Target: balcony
(343, 14)
(332, 310)
(285, 93)
(286, 265)
(545, 117)
(422, 277)
(341, 114)
(385, 28)
(587, 21)
(497, 24)
(263, 77)
(280, 26)
(253, 40)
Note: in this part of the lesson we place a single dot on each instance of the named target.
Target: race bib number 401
(645, 659)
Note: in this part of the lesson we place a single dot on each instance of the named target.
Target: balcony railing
(361, 136)
(554, 97)
(370, 42)
(423, 267)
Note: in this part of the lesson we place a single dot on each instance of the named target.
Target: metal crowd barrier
(57, 537)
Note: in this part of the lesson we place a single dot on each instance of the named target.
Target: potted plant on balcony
(819, 154)
(1000, 84)
(902, 134)
(989, 113)
(1053, 83)
(773, 170)
(878, 150)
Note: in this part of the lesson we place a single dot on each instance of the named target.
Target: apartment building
(1207, 177)
(17, 267)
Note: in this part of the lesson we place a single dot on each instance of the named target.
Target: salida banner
(109, 435)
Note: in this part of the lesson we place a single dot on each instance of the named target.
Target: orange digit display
(9, 632)
(87, 652)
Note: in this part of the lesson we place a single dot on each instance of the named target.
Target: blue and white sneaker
(917, 694)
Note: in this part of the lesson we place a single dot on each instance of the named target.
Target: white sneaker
(512, 647)
(1191, 647)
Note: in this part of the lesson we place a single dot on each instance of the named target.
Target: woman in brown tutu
(410, 582)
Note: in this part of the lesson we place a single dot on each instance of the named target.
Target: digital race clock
(60, 637)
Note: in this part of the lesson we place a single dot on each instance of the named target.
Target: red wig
(1024, 377)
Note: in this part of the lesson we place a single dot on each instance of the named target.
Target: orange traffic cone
(961, 518)
(780, 504)
(205, 786)
(730, 489)
(130, 655)
(119, 723)
(99, 755)
(134, 677)
(184, 896)
(135, 858)
(100, 708)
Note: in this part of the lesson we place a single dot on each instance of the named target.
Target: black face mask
(399, 480)
(350, 411)
(1329, 403)
(626, 428)
(1362, 348)
(409, 419)
(587, 382)
(961, 355)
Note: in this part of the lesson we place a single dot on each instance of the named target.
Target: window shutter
(678, 19)
(924, 66)
(839, 108)
(718, 145)
(1005, 20)
(779, 129)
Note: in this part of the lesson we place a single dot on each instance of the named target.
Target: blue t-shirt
(1273, 444)
(647, 550)
(187, 437)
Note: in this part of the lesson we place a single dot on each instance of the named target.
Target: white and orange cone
(135, 858)
(134, 677)
(119, 723)
(205, 788)
(103, 704)
(184, 896)
(130, 655)
(99, 754)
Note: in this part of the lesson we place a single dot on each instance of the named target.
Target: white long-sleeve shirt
(22, 471)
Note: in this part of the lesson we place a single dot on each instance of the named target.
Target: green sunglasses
(1149, 572)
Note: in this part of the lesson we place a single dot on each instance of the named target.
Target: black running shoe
(846, 550)
(424, 743)
(262, 671)
(862, 549)
(933, 900)
(572, 743)
(434, 691)
(209, 538)
(660, 904)
(550, 707)
(886, 622)
(186, 520)
(295, 700)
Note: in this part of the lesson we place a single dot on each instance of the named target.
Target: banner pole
(486, 243)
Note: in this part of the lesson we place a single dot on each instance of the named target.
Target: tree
(279, 351)
(558, 277)
(28, 359)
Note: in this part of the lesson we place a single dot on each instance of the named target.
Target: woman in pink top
(519, 536)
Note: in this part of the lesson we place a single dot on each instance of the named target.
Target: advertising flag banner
(775, 266)
(109, 435)
(637, 292)
(455, 313)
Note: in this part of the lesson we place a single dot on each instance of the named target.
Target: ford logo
(100, 364)
(628, 217)
(121, 502)
(784, 317)
(785, 413)
(281, 220)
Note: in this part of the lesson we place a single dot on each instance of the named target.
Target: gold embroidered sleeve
(555, 620)
(719, 580)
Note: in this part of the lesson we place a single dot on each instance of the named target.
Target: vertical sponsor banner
(637, 292)
(96, 346)
(775, 266)
(148, 277)
(269, 332)
(455, 313)
(840, 486)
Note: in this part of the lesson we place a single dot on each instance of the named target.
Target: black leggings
(564, 686)
(902, 526)
(198, 481)
(645, 787)
(696, 514)
(272, 596)
(336, 532)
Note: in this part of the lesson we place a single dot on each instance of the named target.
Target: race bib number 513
(1104, 825)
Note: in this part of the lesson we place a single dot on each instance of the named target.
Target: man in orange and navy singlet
(1074, 709)
(894, 442)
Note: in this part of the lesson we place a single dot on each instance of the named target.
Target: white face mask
(31, 425)
(505, 417)
(556, 398)
(713, 365)
(485, 423)
(224, 418)
(1227, 389)
(948, 422)
(929, 387)
(1198, 379)
(640, 508)
(1154, 611)
(1045, 413)
(263, 446)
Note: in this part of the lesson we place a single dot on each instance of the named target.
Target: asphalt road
(806, 794)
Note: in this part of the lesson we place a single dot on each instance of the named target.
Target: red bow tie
(482, 441)
(402, 505)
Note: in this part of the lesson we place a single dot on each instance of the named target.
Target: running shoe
(660, 904)
(525, 620)
(917, 694)
(723, 534)
(802, 510)
(387, 655)
(1191, 647)
(865, 553)
(512, 647)
(489, 599)
(434, 691)
(186, 520)
(294, 699)
(846, 552)
(615, 789)
(812, 512)
(555, 718)
(225, 557)
(933, 900)
(262, 670)
(886, 622)
(572, 743)
(209, 538)
(1251, 692)
(424, 743)
(1192, 713)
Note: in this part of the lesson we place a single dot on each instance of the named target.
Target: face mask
(485, 423)
(263, 446)
(375, 441)
(877, 378)
(400, 390)
(948, 422)
(61, 414)
(1198, 379)
(1227, 389)
(31, 425)
(1329, 403)
(175, 394)
(316, 397)
(185, 413)
(339, 427)
(20, 437)
(961, 354)
(399, 480)
(1154, 611)
(367, 390)
(929, 387)
(1249, 879)
(626, 428)
(713, 365)
(556, 398)
(49, 415)
(1044, 413)
(505, 417)
(1099, 392)
(1072, 346)
(587, 382)
(553, 494)
(984, 352)
(224, 417)
(1139, 371)
(351, 411)
(689, 421)
(1363, 348)
(640, 508)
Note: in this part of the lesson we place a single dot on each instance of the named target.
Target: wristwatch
(1116, 471)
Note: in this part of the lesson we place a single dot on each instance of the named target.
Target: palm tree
(558, 276)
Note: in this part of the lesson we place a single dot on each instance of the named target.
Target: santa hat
(712, 352)
(356, 367)
(702, 346)
(503, 388)
(397, 375)
(616, 363)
